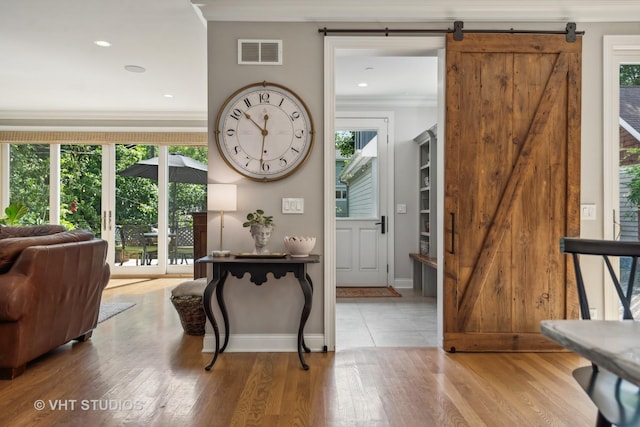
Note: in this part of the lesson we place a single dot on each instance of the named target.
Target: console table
(257, 269)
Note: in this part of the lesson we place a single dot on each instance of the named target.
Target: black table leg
(206, 300)
(307, 290)
(223, 309)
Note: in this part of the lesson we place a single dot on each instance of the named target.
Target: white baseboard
(403, 283)
(254, 343)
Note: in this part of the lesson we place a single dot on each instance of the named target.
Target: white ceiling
(50, 68)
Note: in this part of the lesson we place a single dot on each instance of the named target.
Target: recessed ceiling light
(369, 69)
(363, 84)
(168, 95)
(102, 43)
(135, 68)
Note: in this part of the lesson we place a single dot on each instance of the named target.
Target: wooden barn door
(512, 184)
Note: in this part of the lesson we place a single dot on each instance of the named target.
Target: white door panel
(361, 194)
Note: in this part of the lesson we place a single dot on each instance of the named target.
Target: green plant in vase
(260, 226)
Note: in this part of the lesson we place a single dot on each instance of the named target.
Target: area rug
(364, 292)
(110, 309)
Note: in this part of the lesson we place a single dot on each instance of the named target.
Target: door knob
(383, 223)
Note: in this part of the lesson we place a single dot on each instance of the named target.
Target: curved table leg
(304, 346)
(307, 290)
(223, 309)
(206, 300)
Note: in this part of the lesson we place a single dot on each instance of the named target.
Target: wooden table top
(613, 345)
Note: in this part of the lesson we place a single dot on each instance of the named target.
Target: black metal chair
(184, 243)
(617, 400)
(137, 245)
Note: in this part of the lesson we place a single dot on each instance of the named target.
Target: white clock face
(264, 131)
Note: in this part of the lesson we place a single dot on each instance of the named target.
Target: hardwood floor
(140, 369)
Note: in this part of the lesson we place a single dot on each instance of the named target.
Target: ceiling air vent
(266, 52)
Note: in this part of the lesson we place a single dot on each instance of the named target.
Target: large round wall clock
(264, 131)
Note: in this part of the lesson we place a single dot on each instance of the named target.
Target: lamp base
(220, 253)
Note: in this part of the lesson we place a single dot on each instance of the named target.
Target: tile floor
(407, 321)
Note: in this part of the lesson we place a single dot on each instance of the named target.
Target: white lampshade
(222, 197)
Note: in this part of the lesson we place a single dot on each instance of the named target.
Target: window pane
(29, 181)
(356, 174)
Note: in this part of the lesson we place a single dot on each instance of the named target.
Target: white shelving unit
(424, 271)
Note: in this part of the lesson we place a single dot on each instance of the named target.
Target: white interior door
(361, 199)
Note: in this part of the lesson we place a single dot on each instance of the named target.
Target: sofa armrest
(16, 293)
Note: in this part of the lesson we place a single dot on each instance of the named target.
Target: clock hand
(264, 136)
(254, 122)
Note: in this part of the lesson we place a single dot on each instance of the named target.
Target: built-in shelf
(424, 262)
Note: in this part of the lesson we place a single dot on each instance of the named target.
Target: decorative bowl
(299, 246)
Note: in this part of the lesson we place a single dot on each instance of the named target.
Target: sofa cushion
(30, 230)
(11, 247)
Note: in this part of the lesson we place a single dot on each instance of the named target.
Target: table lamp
(221, 197)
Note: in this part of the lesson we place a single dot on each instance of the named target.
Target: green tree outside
(81, 186)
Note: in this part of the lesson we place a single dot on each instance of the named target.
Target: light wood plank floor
(139, 369)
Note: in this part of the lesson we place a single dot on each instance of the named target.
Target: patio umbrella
(181, 169)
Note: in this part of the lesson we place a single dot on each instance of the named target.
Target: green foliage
(258, 217)
(630, 75)
(633, 196)
(13, 213)
(345, 143)
(81, 186)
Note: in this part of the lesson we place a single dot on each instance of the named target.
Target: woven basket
(191, 313)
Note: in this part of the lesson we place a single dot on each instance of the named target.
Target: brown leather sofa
(51, 283)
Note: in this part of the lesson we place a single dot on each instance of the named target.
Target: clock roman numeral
(247, 102)
(236, 114)
(264, 97)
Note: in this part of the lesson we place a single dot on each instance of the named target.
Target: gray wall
(274, 307)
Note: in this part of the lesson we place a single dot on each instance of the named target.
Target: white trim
(617, 50)
(419, 10)
(330, 46)
(440, 141)
(54, 183)
(259, 343)
(112, 129)
(4, 177)
(403, 283)
(626, 126)
(128, 116)
(380, 44)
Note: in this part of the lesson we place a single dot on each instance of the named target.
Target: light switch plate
(292, 205)
(588, 212)
(401, 208)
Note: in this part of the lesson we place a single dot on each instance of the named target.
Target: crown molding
(388, 101)
(103, 115)
(419, 10)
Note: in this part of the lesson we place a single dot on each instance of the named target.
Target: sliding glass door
(137, 197)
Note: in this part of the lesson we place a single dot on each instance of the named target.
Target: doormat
(110, 309)
(365, 292)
